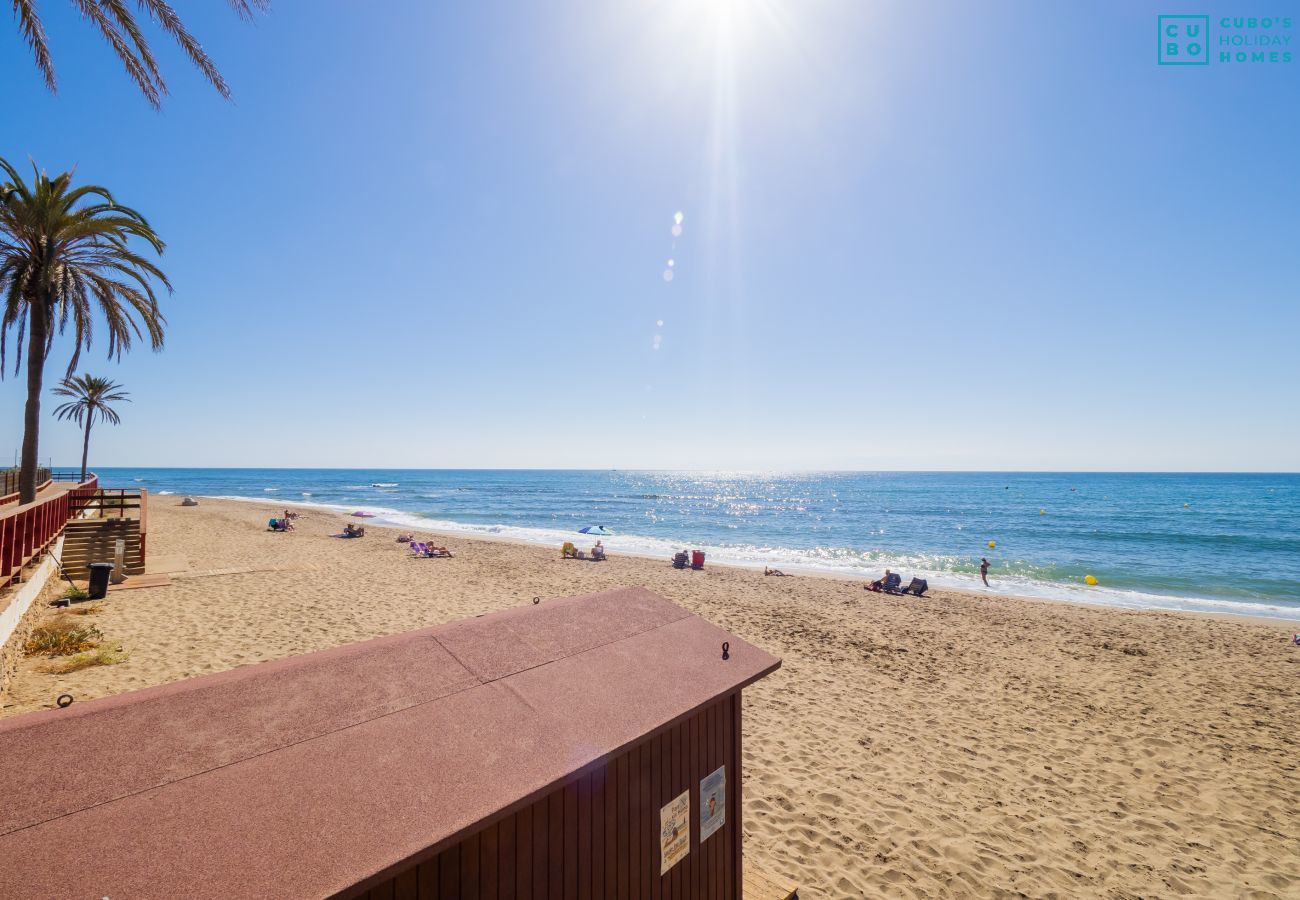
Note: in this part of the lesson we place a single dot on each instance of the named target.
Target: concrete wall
(15, 620)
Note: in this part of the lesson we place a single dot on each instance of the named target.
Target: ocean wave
(941, 570)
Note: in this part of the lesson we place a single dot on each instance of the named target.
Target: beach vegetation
(101, 656)
(120, 27)
(76, 594)
(61, 636)
(66, 253)
(92, 398)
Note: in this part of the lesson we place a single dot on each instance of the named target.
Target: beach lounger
(568, 551)
(893, 584)
(917, 587)
(598, 554)
(680, 560)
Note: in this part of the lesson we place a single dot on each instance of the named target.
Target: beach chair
(419, 549)
(598, 554)
(697, 559)
(917, 587)
(680, 560)
(568, 551)
(893, 584)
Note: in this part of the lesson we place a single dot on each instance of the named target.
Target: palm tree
(91, 398)
(119, 27)
(64, 252)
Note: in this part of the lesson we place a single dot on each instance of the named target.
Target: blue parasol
(600, 530)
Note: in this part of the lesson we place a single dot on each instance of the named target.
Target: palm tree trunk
(85, 445)
(37, 333)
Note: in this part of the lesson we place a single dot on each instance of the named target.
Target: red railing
(25, 531)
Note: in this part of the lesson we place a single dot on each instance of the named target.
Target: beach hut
(579, 748)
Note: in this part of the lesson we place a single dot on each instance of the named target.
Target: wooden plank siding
(596, 836)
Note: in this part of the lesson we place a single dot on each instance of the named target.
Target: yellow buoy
(992, 544)
(1042, 512)
(1089, 579)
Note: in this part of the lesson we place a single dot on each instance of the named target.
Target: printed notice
(713, 803)
(674, 832)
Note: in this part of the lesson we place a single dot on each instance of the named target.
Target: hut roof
(305, 776)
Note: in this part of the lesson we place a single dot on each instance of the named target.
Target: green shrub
(61, 636)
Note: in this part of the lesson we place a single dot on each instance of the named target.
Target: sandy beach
(955, 745)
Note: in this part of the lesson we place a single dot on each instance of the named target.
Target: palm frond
(91, 398)
(29, 23)
(134, 67)
(75, 265)
(119, 25)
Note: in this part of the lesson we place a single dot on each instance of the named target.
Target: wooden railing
(114, 502)
(27, 530)
(9, 480)
(44, 478)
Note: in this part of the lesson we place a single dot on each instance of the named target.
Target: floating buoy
(1187, 506)
(1089, 579)
(1042, 512)
(993, 544)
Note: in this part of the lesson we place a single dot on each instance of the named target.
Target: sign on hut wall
(674, 831)
(713, 802)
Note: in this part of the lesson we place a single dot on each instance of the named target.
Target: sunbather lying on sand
(776, 572)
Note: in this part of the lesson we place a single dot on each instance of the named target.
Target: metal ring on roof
(64, 701)
(726, 650)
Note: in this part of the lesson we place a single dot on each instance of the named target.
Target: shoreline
(1270, 621)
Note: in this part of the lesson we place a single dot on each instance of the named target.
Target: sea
(1220, 543)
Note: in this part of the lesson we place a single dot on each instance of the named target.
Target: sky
(914, 235)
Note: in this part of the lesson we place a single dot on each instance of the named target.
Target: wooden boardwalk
(45, 492)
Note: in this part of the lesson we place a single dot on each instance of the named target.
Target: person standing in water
(984, 571)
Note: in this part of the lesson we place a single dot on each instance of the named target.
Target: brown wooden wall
(597, 837)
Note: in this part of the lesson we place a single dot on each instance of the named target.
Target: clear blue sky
(916, 235)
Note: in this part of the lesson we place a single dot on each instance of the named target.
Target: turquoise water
(1226, 543)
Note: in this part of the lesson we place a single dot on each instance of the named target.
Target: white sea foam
(839, 562)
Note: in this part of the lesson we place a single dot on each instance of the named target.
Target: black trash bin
(99, 573)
